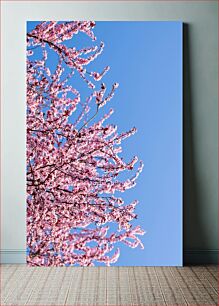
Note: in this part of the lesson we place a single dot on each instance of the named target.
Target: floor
(126, 286)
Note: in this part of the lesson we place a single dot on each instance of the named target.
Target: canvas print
(104, 143)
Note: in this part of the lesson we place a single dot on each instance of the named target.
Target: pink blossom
(73, 167)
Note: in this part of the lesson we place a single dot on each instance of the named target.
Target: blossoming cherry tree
(74, 159)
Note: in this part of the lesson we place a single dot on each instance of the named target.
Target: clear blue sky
(146, 60)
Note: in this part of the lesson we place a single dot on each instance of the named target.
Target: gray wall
(200, 111)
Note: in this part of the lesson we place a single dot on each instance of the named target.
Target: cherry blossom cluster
(74, 160)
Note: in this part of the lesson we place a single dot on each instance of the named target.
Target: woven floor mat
(124, 286)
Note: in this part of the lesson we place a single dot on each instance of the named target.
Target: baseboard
(200, 257)
(191, 257)
(12, 256)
